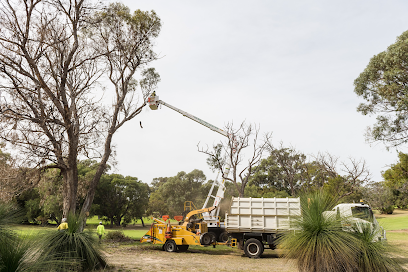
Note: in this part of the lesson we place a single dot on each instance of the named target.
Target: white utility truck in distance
(257, 222)
(358, 213)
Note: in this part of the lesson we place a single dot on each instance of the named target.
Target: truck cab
(358, 213)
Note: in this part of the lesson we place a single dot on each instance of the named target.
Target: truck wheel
(205, 239)
(182, 248)
(170, 246)
(253, 248)
(223, 237)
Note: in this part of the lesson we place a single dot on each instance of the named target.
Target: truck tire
(206, 239)
(253, 248)
(170, 246)
(182, 248)
(223, 237)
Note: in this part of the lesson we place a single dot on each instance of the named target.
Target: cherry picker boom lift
(215, 227)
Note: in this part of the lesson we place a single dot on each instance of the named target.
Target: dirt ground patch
(137, 257)
(152, 258)
(399, 231)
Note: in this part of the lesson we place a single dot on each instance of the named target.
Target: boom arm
(210, 216)
(190, 214)
(154, 102)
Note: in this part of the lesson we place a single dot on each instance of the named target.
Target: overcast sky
(287, 66)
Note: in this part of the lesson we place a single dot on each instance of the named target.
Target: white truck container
(255, 222)
(263, 215)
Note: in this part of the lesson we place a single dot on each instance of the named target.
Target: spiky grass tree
(79, 250)
(13, 254)
(20, 252)
(9, 214)
(373, 256)
(11, 250)
(319, 242)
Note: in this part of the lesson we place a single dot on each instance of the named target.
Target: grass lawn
(134, 231)
(396, 221)
(396, 225)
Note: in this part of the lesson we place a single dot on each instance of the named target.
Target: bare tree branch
(242, 142)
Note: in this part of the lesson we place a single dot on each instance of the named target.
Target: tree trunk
(141, 219)
(86, 207)
(70, 179)
(117, 221)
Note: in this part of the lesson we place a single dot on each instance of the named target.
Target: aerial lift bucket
(153, 102)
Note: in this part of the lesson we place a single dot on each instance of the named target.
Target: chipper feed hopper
(179, 237)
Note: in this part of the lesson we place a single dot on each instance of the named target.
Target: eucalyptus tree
(383, 84)
(54, 55)
(125, 41)
(119, 197)
(395, 179)
(282, 170)
(169, 197)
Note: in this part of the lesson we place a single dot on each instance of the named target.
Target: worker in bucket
(64, 225)
(100, 230)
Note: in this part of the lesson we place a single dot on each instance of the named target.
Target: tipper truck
(254, 223)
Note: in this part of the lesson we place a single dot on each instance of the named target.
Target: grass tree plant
(69, 250)
(373, 256)
(319, 242)
(79, 250)
(330, 243)
(20, 252)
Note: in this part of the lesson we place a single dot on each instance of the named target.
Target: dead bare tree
(46, 73)
(53, 54)
(242, 142)
(351, 174)
(356, 174)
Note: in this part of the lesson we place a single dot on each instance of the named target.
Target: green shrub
(387, 210)
(117, 235)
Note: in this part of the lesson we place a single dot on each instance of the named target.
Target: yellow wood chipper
(179, 237)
